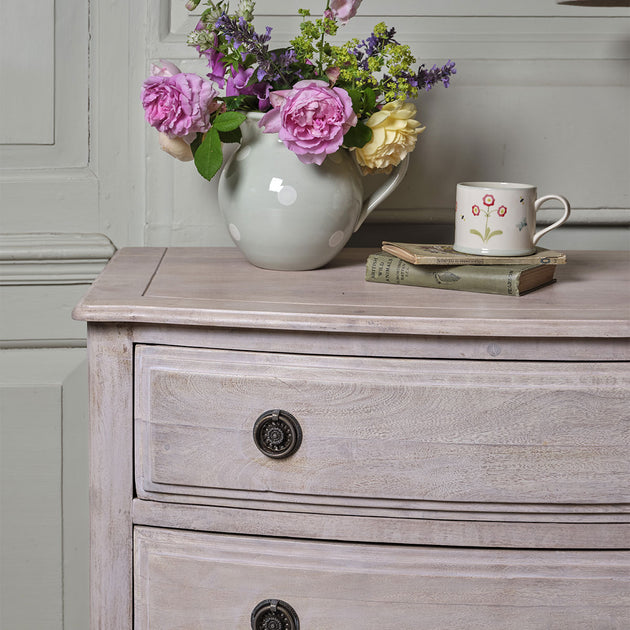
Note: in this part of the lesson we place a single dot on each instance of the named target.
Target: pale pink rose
(343, 10)
(311, 119)
(179, 105)
(333, 74)
(177, 147)
(165, 69)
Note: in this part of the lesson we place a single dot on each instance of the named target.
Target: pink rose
(165, 69)
(344, 9)
(179, 105)
(311, 119)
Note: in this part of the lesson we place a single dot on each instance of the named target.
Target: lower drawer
(194, 581)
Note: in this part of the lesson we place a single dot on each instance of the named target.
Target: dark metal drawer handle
(274, 614)
(277, 434)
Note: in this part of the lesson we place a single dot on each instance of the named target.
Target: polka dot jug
(286, 215)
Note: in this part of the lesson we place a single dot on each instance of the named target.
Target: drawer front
(381, 431)
(198, 581)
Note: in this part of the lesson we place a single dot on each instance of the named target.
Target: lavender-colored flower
(237, 31)
(237, 82)
(371, 46)
(217, 69)
(428, 78)
(261, 90)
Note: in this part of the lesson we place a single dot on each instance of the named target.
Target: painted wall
(542, 95)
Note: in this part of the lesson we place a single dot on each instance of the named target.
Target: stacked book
(441, 267)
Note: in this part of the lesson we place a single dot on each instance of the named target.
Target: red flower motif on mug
(501, 211)
(476, 210)
(488, 200)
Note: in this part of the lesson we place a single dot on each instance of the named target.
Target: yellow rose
(394, 135)
(177, 147)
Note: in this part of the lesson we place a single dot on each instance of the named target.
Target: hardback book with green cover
(498, 279)
(418, 254)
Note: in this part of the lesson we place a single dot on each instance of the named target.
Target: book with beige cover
(419, 254)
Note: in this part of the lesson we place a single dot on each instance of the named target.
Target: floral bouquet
(317, 96)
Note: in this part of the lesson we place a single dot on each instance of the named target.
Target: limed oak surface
(217, 287)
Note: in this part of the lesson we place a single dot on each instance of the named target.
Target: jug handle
(384, 191)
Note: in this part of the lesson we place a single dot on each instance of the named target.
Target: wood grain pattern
(439, 528)
(186, 580)
(216, 287)
(479, 446)
(380, 428)
(110, 363)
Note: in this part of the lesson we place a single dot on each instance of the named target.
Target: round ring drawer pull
(277, 434)
(274, 614)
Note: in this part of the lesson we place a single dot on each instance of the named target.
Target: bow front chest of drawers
(285, 450)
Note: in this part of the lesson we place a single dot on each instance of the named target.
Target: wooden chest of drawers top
(585, 315)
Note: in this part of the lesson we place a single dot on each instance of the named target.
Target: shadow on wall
(373, 234)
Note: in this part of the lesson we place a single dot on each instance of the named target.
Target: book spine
(478, 279)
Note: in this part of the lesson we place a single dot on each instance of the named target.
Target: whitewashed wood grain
(217, 287)
(491, 456)
(440, 528)
(374, 344)
(186, 580)
(441, 431)
(110, 357)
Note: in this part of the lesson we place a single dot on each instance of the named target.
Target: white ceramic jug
(286, 215)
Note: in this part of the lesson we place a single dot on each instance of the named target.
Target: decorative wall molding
(28, 119)
(36, 259)
(583, 217)
(412, 8)
(61, 103)
(44, 489)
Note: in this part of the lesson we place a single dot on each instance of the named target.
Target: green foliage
(363, 101)
(229, 121)
(209, 154)
(208, 151)
(242, 102)
(357, 136)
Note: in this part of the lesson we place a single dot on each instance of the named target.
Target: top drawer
(379, 433)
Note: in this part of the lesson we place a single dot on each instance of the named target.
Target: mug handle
(559, 222)
(384, 191)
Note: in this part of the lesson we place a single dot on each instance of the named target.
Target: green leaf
(495, 233)
(209, 155)
(194, 145)
(228, 137)
(357, 101)
(240, 102)
(477, 233)
(228, 121)
(357, 136)
(369, 98)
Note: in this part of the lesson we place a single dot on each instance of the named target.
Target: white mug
(499, 219)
